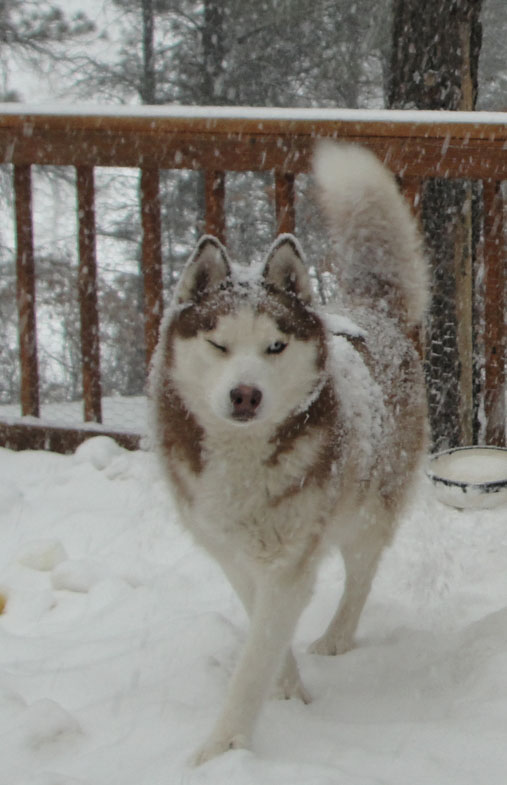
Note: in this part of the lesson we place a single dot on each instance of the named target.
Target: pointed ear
(285, 268)
(208, 268)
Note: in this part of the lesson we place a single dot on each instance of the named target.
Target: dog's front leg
(280, 597)
(289, 683)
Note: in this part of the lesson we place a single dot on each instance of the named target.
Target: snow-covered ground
(119, 636)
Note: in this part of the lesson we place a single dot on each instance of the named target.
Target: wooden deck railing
(416, 146)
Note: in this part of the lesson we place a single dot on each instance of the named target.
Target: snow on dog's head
(243, 347)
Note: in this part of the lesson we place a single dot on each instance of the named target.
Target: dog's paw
(216, 746)
(286, 689)
(298, 692)
(289, 684)
(329, 646)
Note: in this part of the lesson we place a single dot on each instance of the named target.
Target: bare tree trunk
(148, 91)
(434, 65)
(148, 87)
(213, 51)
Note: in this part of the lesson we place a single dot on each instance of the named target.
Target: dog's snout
(245, 401)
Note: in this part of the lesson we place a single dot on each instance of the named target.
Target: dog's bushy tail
(378, 250)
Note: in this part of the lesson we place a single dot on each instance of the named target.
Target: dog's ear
(208, 268)
(285, 268)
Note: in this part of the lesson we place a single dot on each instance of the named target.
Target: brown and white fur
(286, 429)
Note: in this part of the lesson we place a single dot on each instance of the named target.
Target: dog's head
(245, 348)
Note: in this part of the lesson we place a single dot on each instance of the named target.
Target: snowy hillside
(119, 637)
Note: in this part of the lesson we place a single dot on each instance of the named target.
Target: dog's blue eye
(218, 346)
(276, 348)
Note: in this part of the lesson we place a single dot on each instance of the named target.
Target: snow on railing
(415, 145)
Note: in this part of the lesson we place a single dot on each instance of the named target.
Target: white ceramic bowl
(470, 477)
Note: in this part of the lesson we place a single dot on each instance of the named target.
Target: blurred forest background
(422, 54)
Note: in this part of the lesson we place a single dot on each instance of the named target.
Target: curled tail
(378, 249)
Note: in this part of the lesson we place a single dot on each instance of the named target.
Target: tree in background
(434, 65)
(272, 52)
(35, 31)
(435, 54)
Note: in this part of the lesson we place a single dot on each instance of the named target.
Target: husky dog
(286, 429)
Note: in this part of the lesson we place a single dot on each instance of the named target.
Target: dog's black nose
(245, 401)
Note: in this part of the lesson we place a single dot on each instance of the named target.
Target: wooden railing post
(87, 290)
(494, 313)
(214, 190)
(25, 276)
(285, 202)
(151, 258)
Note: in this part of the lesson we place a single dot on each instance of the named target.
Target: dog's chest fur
(258, 493)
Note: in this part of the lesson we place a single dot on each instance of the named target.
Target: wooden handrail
(416, 146)
(437, 144)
